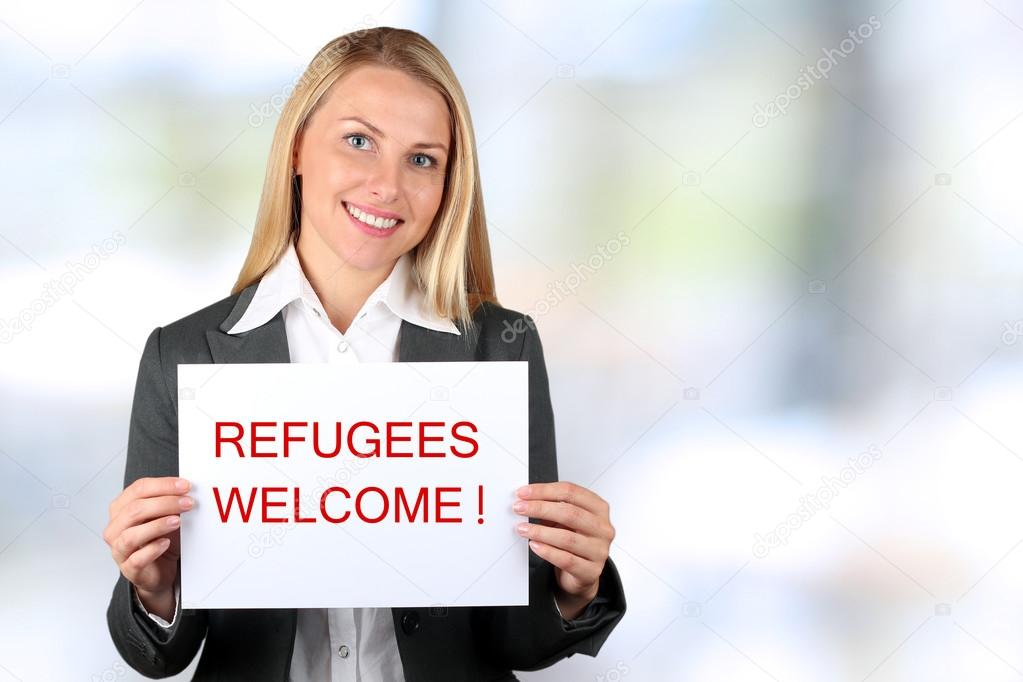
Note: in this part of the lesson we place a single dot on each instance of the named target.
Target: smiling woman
(370, 245)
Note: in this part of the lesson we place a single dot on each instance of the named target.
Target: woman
(370, 245)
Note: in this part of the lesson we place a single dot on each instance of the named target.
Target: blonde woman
(370, 245)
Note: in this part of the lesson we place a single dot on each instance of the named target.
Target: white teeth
(371, 220)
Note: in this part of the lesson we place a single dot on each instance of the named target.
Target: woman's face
(390, 165)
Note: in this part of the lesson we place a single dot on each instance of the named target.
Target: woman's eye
(354, 140)
(423, 160)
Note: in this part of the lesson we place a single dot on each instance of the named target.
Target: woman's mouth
(374, 225)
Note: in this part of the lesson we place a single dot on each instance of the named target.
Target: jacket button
(410, 623)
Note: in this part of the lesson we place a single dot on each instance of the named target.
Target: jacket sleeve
(152, 451)
(536, 636)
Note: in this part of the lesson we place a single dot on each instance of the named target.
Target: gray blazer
(465, 643)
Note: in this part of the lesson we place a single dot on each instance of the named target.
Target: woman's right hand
(145, 539)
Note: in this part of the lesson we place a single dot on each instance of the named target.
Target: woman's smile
(371, 221)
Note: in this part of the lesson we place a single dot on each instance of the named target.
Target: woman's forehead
(390, 101)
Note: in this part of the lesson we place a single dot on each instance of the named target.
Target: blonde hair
(452, 264)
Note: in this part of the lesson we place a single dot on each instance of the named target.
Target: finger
(146, 509)
(570, 541)
(136, 537)
(148, 487)
(585, 571)
(564, 491)
(142, 558)
(568, 515)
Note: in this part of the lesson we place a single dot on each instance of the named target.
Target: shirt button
(343, 651)
(342, 346)
(410, 623)
(316, 311)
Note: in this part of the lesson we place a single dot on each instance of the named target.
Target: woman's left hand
(576, 538)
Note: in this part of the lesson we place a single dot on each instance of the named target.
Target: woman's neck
(341, 288)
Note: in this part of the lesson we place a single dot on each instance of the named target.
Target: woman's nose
(383, 181)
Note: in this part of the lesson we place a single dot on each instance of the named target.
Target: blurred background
(774, 250)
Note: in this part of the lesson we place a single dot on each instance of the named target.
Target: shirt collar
(286, 281)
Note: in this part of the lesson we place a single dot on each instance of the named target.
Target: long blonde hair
(452, 264)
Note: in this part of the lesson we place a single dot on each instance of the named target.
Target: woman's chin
(365, 254)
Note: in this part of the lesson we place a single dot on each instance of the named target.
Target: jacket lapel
(419, 344)
(267, 343)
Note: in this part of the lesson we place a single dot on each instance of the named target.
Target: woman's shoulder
(210, 316)
(186, 336)
(491, 313)
(500, 327)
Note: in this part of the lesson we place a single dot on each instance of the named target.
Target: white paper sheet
(358, 562)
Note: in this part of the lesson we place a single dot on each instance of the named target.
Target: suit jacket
(465, 643)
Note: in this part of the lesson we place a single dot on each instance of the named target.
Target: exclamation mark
(480, 519)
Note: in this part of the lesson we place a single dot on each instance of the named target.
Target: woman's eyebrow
(377, 131)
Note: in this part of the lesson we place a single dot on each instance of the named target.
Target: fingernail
(522, 529)
(519, 507)
(186, 502)
(173, 521)
(523, 491)
(181, 484)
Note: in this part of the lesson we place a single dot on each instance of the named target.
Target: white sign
(368, 485)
